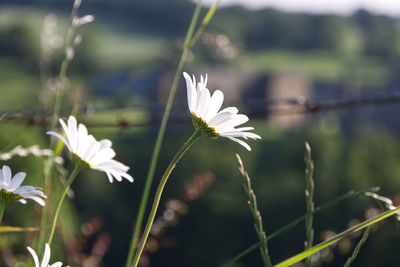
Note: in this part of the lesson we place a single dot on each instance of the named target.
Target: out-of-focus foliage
(140, 39)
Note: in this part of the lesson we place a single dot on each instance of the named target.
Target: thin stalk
(300, 219)
(160, 189)
(358, 247)
(252, 201)
(160, 137)
(204, 22)
(59, 93)
(2, 208)
(48, 164)
(64, 67)
(309, 200)
(60, 201)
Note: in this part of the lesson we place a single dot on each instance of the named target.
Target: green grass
(18, 90)
(319, 65)
(118, 49)
(316, 64)
(111, 46)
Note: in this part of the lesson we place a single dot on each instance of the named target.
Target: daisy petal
(191, 94)
(235, 121)
(240, 142)
(215, 104)
(17, 181)
(46, 256)
(34, 256)
(6, 175)
(221, 117)
(61, 138)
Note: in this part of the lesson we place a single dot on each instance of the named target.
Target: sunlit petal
(46, 258)
(17, 181)
(34, 256)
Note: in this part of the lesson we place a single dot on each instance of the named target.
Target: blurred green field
(319, 65)
(218, 224)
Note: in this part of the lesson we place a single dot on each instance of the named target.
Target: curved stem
(153, 163)
(160, 137)
(2, 207)
(67, 186)
(160, 189)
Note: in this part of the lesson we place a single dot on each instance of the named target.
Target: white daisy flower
(11, 189)
(46, 258)
(97, 155)
(209, 119)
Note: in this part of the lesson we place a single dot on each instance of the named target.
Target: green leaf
(336, 238)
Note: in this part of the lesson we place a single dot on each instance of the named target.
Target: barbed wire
(311, 106)
(257, 108)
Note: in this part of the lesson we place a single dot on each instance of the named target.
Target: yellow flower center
(8, 197)
(202, 126)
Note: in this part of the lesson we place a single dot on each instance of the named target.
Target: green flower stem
(153, 163)
(160, 189)
(2, 208)
(67, 186)
(160, 137)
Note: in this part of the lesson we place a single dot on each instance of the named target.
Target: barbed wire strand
(257, 109)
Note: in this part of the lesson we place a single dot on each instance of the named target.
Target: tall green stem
(309, 201)
(2, 208)
(160, 137)
(160, 189)
(67, 186)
